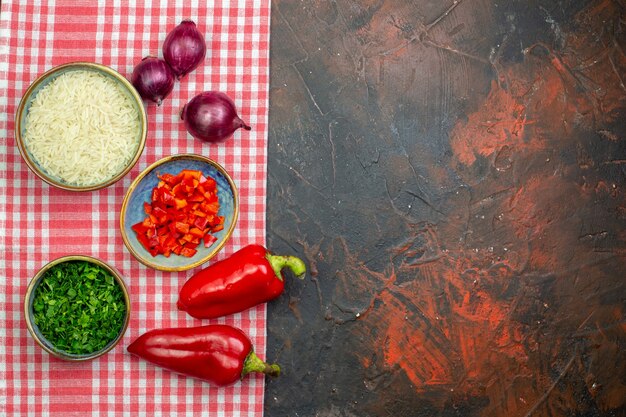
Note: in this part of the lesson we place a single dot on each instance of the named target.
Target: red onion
(184, 48)
(212, 117)
(153, 78)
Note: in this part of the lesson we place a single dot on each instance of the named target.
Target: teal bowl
(140, 192)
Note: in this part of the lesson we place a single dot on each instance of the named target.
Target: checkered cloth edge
(39, 223)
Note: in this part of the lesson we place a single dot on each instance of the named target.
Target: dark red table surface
(454, 176)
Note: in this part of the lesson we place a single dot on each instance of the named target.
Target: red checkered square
(39, 223)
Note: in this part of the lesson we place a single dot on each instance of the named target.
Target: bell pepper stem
(255, 364)
(278, 262)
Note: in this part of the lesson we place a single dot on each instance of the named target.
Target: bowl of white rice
(81, 126)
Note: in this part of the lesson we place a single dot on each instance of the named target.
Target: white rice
(82, 128)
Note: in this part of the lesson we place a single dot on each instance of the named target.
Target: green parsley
(79, 307)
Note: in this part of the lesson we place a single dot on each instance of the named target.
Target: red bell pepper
(217, 353)
(182, 212)
(248, 277)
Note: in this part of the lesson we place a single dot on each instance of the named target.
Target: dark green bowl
(29, 311)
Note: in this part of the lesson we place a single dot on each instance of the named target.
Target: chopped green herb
(79, 307)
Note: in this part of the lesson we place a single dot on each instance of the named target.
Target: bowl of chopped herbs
(77, 307)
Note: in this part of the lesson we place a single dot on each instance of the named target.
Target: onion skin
(184, 48)
(212, 117)
(153, 79)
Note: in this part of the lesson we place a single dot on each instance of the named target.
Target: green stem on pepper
(278, 262)
(255, 364)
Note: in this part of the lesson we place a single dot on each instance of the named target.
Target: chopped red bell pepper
(181, 227)
(188, 252)
(209, 239)
(139, 228)
(212, 207)
(181, 214)
(201, 222)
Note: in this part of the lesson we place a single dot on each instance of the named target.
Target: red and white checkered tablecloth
(39, 223)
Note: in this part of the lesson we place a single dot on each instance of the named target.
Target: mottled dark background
(453, 173)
